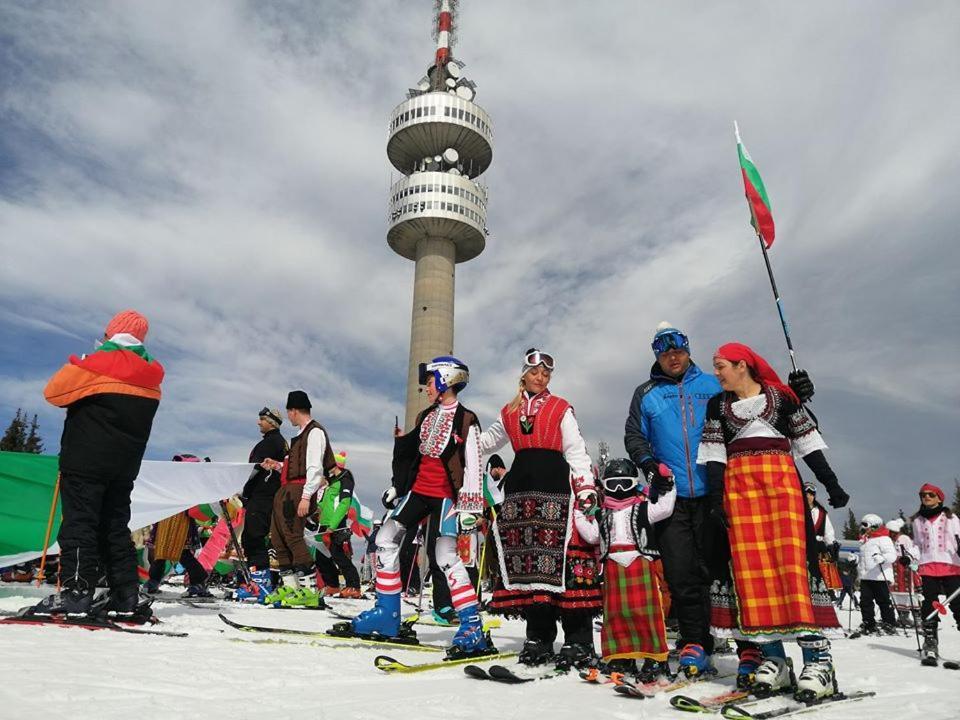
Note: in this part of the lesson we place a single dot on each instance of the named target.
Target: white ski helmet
(895, 525)
(447, 371)
(871, 521)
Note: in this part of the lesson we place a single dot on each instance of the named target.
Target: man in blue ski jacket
(666, 419)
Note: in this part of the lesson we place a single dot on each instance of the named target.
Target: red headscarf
(735, 352)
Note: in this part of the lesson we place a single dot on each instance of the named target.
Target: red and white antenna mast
(444, 30)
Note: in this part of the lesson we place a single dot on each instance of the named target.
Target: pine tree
(851, 531)
(33, 443)
(955, 505)
(15, 436)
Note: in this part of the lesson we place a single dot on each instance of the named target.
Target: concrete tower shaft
(441, 141)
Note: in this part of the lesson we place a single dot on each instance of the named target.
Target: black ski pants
(542, 624)
(683, 539)
(409, 568)
(933, 587)
(876, 591)
(256, 528)
(339, 563)
(95, 530)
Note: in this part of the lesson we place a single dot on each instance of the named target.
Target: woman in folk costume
(825, 538)
(752, 430)
(905, 588)
(547, 570)
(633, 610)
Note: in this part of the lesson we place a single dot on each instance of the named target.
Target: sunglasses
(619, 484)
(670, 341)
(929, 494)
(534, 357)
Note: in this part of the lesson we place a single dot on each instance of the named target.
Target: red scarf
(735, 352)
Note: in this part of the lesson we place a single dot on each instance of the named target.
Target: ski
(323, 635)
(641, 691)
(85, 623)
(503, 674)
(392, 665)
(476, 672)
(711, 704)
(734, 712)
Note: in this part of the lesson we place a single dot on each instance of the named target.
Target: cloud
(222, 168)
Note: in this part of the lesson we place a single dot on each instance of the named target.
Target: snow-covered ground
(70, 673)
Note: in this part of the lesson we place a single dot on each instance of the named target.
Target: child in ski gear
(875, 570)
(258, 496)
(633, 616)
(753, 430)
(436, 475)
(547, 571)
(331, 559)
(302, 475)
(936, 531)
(111, 397)
(905, 588)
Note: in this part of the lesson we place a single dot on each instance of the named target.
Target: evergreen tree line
(22, 435)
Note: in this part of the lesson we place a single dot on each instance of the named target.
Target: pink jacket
(936, 540)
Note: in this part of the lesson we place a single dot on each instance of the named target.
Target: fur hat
(298, 400)
(130, 322)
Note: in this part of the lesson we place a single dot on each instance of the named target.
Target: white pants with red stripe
(388, 565)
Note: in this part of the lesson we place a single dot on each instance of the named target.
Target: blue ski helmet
(447, 371)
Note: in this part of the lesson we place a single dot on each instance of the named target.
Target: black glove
(389, 498)
(715, 471)
(818, 463)
(800, 382)
(837, 496)
(904, 560)
(663, 483)
(650, 469)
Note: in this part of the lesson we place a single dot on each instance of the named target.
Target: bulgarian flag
(761, 216)
(492, 494)
(360, 518)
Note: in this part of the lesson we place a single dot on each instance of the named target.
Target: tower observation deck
(441, 141)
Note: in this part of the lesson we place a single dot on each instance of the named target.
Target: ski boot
(575, 655)
(470, 639)
(125, 603)
(930, 653)
(305, 595)
(866, 628)
(287, 586)
(750, 660)
(151, 587)
(197, 591)
(69, 601)
(257, 590)
(774, 675)
(694, 661)
(654, 671)
(349, 593)
(535, 652)
(817, 679)
(383, 619)
(888, 629)
(445, 616)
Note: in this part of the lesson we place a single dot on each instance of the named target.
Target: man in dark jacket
(257, 496)
(111, 397)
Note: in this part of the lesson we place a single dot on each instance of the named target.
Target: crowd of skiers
(706, 517)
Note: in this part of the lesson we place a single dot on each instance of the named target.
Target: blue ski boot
(257, 590)
(470, 638)
(382, 619)
(694, 660)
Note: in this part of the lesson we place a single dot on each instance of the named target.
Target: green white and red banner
(761, 217)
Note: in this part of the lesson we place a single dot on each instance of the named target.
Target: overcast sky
(221, 167)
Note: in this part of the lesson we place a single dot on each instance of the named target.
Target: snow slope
(71, 673)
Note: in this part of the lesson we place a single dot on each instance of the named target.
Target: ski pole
(941, 608)
(46, 538)
(424, 566)
(244, 568)
(916, 630)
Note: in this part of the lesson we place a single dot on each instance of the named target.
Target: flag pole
(779, 301)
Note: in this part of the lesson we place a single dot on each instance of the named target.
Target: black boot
(69, 601)
(930, 653)
(126, 603)
(574, 654)
(535, 652)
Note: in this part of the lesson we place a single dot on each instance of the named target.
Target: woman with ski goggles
(549, 569)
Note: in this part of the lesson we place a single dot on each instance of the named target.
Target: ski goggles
(667, 341)
(619, 484)
(536, 357)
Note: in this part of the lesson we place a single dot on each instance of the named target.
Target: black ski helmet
(620, 478)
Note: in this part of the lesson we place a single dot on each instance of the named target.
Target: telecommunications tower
(441, 141)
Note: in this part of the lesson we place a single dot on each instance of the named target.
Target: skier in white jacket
(875, 569)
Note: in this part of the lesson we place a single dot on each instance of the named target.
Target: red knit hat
(928, 487)
(128, 321)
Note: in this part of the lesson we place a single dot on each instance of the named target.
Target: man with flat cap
(302, 474)
(258, 495)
